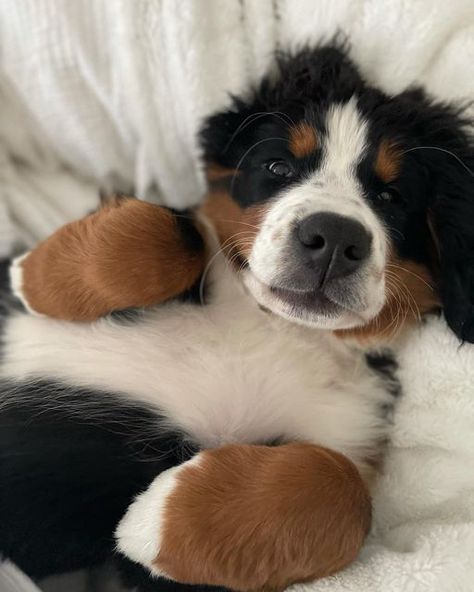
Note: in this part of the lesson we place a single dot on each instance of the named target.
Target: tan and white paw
(129, 254)
(139, 533)
(250, 518)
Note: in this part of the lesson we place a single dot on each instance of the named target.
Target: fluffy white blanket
(112, 91)
(424, 507)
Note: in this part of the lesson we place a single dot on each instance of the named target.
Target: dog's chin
(308, 308)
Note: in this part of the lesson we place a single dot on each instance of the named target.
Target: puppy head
(344, 208)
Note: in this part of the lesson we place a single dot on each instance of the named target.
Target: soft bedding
(111, 92)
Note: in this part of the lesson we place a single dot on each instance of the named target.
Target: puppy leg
(128, 254)
(250, 518)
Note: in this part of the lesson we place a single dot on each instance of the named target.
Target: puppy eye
(389, 195)
(280, 168)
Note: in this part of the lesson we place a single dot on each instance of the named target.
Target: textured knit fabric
(113, 91)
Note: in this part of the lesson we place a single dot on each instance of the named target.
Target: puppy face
(328, 194)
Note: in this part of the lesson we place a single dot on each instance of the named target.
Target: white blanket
(111, 92)
(424, 508)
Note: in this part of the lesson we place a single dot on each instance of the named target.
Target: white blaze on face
(334, 187)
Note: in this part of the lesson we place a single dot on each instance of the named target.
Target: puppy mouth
(310, 308)
(314, 301)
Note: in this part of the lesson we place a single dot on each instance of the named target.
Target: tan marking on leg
(303, 140)
(259, 518)
(128, 254)
(388, 161)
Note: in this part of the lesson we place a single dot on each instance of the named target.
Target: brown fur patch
(129, 254)
(388, 161)
(303, 140)
(259, 518)
(410, 293)
(215, 173)
(236, 227)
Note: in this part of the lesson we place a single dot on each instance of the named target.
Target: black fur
(8, 303)
(194, 243)
(135, 576)
(190, 235)
(436, 180)
(385, 365)
(71, 461)
(4, 292)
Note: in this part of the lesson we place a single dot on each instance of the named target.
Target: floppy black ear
(453, 222)
(446, 151)
(320, 74)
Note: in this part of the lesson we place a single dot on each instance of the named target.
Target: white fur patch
(334, 188)
(346, 139)
(139, 533)
(224, 373)
(16, 281)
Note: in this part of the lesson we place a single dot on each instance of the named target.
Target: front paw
(250, 518)
(128, 254)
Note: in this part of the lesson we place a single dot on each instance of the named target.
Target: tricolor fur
(334, 212)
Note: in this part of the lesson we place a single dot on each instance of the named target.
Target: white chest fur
(224, 372)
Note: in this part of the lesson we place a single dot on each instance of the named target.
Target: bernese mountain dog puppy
(188, 394)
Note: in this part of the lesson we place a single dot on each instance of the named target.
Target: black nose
(335, 245)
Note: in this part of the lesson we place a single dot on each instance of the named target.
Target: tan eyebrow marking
(215, 172)
(303, 140)
(388, 161)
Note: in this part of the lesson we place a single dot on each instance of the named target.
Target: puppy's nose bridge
(337, 245)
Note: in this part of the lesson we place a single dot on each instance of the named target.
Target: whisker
(237, 222)
(411, 301)
(245, 155)
(229, 244)
(455, 156)
(407, 298)
(241, 233)
(193, 218)
(395, 230)
(396, 297)
(253, 118)
(401, 268)
(205, 273)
